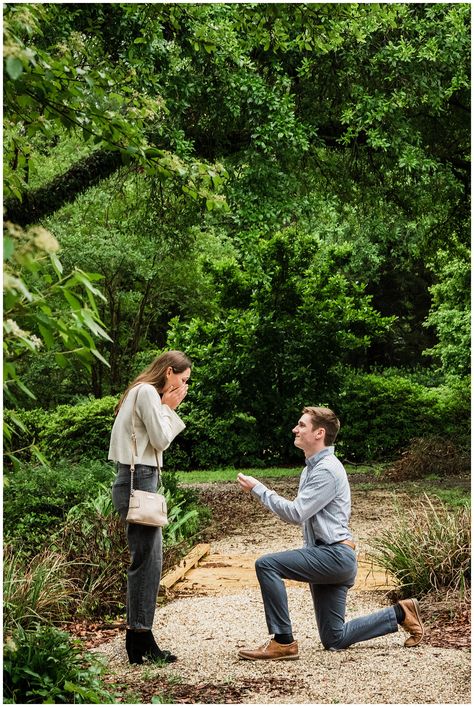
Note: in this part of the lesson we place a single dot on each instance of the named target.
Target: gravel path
(206, 632)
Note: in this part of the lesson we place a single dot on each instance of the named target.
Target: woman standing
(148, 405)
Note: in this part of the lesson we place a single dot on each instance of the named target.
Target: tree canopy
(284, 188)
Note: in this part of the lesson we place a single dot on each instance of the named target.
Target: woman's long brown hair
(155, 374)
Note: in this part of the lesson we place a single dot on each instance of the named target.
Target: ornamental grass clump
(36, 590)
(427, 548)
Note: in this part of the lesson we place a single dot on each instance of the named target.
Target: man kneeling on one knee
(327, 561)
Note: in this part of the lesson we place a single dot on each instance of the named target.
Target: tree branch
(63, 189)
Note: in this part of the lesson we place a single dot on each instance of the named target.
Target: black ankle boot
(142, 644)
(156, 653)
(133, 647)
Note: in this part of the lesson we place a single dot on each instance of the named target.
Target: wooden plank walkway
(203, 572)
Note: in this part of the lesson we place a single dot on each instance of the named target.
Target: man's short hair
(324, 417)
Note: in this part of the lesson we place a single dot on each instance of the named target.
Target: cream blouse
(156, 425)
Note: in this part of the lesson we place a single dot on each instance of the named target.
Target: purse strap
(134, 445)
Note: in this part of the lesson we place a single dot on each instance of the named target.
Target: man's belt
(351, 543)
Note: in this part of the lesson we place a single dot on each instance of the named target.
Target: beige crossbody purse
(145, 507)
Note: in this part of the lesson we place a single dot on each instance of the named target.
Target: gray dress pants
(145, 545)
(330, 570)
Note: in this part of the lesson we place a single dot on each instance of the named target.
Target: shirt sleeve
(318, 491)
(161, 422)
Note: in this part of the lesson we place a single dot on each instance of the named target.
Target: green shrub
(74, 432)
(453, 411)
(35, 590)
(46, 665)
(185, 515)
(427, 548)
(206, 443)
(37, 498)
(68, 510)
(78, 432)
(380, 415)
(82, 431)
(24, 430)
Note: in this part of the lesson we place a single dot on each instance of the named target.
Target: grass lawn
(230, 474)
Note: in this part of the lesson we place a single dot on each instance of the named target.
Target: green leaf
(19, 423)
(46, 336)
(191, 192)
(72, 300)
(70, 686)
(100, 357)
(56, 263)
(28, 671)
(14, 67)
(94, 276)
(91, 323)
(8, 248)
(61, 360)
(151, 152)
(83, 277)
(39, 455)
(9, 370)
(25, 389)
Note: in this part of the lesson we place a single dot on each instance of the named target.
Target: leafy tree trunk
(138, 329)
(97, 380)
(113, 301)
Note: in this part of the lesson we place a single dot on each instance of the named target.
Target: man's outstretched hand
(247, 482)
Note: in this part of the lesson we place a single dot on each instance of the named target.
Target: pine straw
(447, 618)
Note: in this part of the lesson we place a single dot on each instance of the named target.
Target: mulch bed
(93, 633)
(203, 693)
(449, 629)
(233, 508)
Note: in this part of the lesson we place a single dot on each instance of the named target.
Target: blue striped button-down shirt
(323, 503)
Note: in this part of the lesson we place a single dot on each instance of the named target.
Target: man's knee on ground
(332, 640)
(331, 646)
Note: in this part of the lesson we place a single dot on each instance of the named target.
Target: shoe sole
(416, 606)
(283, 657)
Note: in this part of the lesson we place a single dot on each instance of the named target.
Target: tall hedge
(79, 431)
(379, 415)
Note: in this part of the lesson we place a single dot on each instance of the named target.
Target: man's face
(306, 438)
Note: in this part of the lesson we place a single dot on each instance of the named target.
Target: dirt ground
(206, 626)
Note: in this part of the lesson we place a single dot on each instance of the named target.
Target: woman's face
(176, 380)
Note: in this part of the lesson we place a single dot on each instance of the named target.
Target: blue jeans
(145, 545)
(330, 570)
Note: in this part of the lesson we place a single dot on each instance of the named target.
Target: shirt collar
(312, 461)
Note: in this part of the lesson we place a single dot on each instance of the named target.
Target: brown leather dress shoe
(412, 623)
(271, 650)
